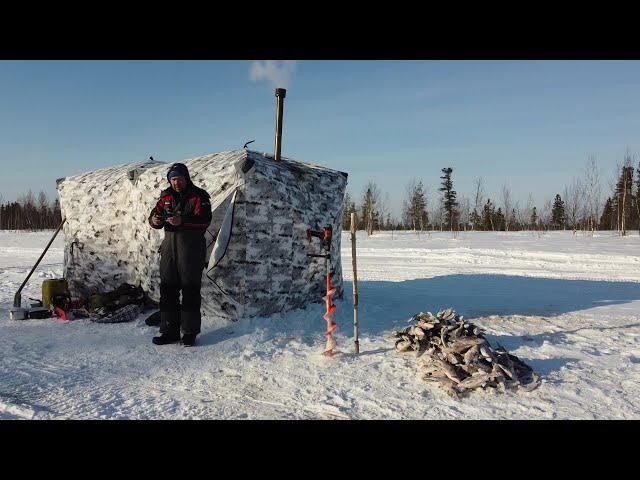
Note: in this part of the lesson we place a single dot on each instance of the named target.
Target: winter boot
(188, 339)
(166, 338)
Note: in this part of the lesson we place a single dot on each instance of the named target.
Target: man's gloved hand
(156, 220)
(175, 220)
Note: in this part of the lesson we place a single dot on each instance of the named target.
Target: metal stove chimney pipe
(280, 94)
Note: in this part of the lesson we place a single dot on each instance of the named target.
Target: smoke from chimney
(279, 73)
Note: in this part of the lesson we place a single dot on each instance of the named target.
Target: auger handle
(17, 299)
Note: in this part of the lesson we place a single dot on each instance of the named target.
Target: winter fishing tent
(257, 261)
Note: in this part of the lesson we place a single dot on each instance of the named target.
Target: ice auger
(325, 236)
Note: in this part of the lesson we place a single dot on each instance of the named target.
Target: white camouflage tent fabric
(260, 264)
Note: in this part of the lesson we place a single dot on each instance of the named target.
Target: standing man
(184, 211)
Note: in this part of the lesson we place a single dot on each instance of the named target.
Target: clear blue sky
(531, 124)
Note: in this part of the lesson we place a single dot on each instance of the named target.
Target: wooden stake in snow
(355, 282)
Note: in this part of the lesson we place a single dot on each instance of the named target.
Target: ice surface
(567, 305)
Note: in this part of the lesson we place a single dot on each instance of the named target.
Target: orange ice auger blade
(325, 236)
(331, 325)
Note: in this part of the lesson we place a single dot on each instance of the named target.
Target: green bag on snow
(125, 294)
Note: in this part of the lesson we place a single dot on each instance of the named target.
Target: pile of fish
(456, 354)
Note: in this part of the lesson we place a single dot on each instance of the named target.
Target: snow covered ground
(568, 305)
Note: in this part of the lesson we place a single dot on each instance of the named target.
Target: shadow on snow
(387, 305)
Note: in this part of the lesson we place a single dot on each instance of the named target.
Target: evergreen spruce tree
(488, 214)
(623, 201)
(607, 217)
(475, 220)
(418, 209)
(534, 218)
(638, 197)
(43, 210)
(499, 220)
(57, 214)
(369, 201)
(450, 203)
(557, 213)
(346, 213)
(376, 220)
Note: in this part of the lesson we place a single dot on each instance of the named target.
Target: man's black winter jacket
(193, 205)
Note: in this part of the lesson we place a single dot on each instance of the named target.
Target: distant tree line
(579, 206)
(29, 213)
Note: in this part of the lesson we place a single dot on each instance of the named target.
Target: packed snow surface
(568, 305)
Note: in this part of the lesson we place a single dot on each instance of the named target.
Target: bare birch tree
(465, 213)
(383, 211)
(592, 194)
(574, 203)
(508, 206)
(526, 213)
(437, 214)
(545, 214)
(518, 215)
(478, 200)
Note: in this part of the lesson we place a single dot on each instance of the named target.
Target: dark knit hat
(178, 170)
